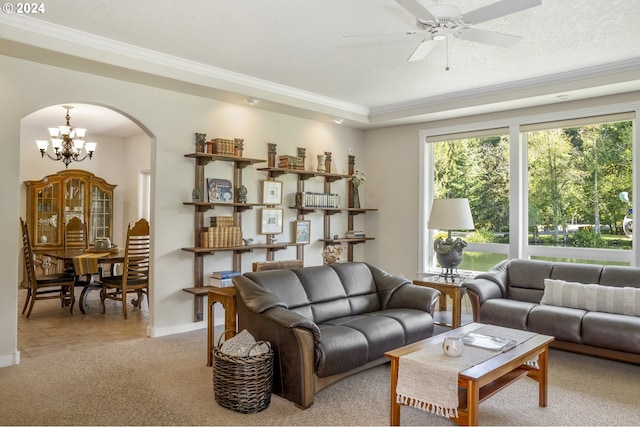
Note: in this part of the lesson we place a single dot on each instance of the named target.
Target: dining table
(86, 265)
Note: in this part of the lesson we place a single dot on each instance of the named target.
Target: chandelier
(67, 142)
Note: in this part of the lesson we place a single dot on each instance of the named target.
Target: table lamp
(450, 214)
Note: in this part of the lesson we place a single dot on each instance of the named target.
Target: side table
(453, 290)
(226, 297)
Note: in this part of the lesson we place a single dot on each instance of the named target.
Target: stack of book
(224, 237)
(222, 221)
(225, 147)
(223, 279)
(291, 162)
(309, 199)
(355, 234)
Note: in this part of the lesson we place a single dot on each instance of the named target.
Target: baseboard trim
(179, 329)
(10, 359)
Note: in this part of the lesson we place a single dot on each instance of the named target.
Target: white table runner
(428, 379)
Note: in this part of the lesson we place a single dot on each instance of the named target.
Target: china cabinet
(55, 199)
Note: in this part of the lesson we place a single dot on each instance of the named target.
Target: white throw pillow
(592, 297)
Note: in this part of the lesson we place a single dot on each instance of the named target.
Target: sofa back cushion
(287, 288)
(526, 279)
(322, 293)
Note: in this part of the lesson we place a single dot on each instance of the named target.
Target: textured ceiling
(300, 45)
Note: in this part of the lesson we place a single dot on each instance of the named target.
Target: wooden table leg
(543, 361)
(473, 401)
(394, 419)
(456, 310)
(210, 302)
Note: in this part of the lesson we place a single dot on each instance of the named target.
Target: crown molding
(51, 36)
(622, 71)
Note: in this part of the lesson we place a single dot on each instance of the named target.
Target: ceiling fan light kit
(441, 20)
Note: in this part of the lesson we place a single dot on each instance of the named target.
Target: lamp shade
(451, 214)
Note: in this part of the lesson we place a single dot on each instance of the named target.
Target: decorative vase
(321, 163)
(356, 197)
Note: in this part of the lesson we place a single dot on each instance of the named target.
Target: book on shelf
(489, 342)
(225, 274)
(355, 234)
(220, 283)
(219, 190)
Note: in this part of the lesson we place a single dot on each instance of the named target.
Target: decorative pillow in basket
(243, 373)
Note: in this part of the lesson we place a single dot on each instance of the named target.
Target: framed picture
(219, 190)
(271, 221)
(302, 231)
(271, 192)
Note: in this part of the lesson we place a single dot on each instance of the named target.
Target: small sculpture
(321, 163)
(331, 254)
(242, 194)
(248, 241)
(200, 141)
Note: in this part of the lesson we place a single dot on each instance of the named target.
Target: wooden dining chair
(135, 273)
(75, 234)
(50, 286)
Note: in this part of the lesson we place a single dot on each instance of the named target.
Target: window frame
(518, 246)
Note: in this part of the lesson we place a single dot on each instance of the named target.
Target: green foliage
(575, 176)
(587, 238)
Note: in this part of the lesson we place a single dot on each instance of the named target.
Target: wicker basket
(243, 383)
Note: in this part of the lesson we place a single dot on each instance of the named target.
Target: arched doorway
(122, 157)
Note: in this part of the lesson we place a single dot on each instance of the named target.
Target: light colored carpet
(165, 381)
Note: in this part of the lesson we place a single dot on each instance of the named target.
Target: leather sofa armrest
(289, 319)
(292, 339)
(416, 297)
(484, 289)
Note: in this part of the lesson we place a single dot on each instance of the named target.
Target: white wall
(171, 118)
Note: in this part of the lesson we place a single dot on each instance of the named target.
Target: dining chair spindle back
(50, 286)
(135, 274)
(75, 234)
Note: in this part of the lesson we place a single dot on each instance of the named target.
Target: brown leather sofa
(327, 322)
(510, 295)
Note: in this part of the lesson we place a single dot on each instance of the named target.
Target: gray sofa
(327, 322)
(592, 314)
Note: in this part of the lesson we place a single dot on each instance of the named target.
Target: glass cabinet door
(100, 213)
(74, 199)
(47, 211)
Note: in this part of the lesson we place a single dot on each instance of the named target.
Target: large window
(477, 169)
(580, 186)
(558, 190)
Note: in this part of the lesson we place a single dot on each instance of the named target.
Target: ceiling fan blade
(422, 50)
(418, 10)
(488, 37)
(384, 34)
(496, 10)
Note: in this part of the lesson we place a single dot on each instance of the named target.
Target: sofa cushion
(612, 331)
(506, 312)
(564, 323)
(608, 299)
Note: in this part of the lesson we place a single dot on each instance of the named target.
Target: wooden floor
(51, 328)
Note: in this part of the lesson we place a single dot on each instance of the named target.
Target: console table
(226, 297)
(455, 291)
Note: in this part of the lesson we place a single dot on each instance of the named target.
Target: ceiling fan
(439, 21)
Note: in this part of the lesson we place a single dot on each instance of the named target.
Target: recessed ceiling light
(252, 101)
(562, 97)
(338, 121)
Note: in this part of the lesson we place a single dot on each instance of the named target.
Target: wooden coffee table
(484, 379)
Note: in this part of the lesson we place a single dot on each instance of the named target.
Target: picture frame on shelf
(271, 192)
(219, 190)
(302, 231)
(271, 220)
